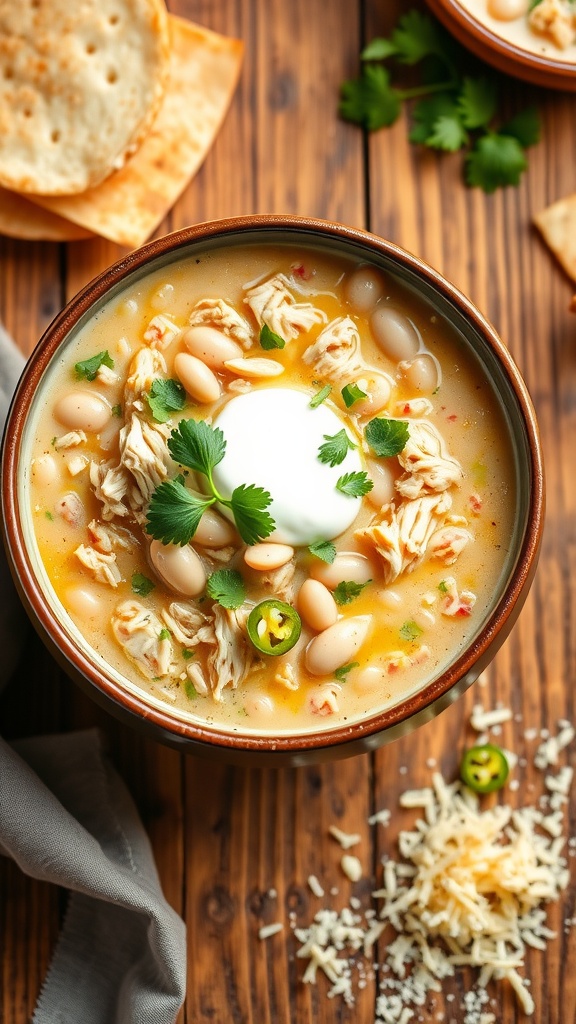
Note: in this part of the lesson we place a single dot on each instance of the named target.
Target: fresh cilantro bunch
(175, 512)
(453, 110)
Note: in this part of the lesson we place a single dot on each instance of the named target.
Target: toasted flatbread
(128, 206)
(21, 219)
(80, 84)
(557, 224)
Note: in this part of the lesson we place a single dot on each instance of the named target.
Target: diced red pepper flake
(299, 270)
(475, 503)
(452, 418)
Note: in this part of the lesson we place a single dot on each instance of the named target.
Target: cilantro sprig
(269, 339)
(165, 397)
(335, 448)
(325, 550)
(175, 512)
(453, 110)
(354, 485)
(386, 437)
(227, 587)
(347, 590)
(87, 369)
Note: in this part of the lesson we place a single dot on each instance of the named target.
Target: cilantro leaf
(347, 590)
(354, 485)
(352, 393)
(370, 100)
(141, 585)
(477, 102)
(187, 654)
(427, 111)
(379, 49)
(417, 36)
(323, 549)
(117, 411)
(320, 396)
(494, 161)
(88, 368)
(227, 587)
(335, 448)
(386, 437)
(443, 587)
(525, 127)
(448, 133)
(269, 339)
(174, 512)
(341, 673)
(249, 504)
(410, 630)
(164, 398)
(190, 690)
(196, 445)
(164, 634)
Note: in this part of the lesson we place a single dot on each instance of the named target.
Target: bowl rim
(393, 719)
(507, 57)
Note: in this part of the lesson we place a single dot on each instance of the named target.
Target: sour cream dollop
(272, 440)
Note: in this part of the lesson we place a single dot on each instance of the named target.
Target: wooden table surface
(223, 837)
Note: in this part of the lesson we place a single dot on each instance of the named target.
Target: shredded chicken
(195, 674)
(146, 366)
(454, 603)
(70, 440)
(400, 536)
(144, 453)
(555, 19)
(71, 508)
(102, 567)
(414, 407)
(336, 353)
(220, 555)
(76, 464)
(323, 700)
(397, 661)
(448, 542)
(160, 332)
(240, 386)
(105, 375)
(233, 656)
(107, 538)
(285, 676)
(218, 313)
(428, 465)
(138, 630)
(279, 582)
(110, 484)
(188, 625)
(273, 304)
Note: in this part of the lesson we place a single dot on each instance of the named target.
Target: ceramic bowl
(494, 43)
(163, 722)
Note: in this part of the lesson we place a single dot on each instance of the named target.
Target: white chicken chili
(271, 489)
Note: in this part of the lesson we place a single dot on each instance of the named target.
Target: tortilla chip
(557, 224)
(129, 205)
(21, 219)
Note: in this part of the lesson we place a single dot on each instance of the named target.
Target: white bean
(316, 605)
(83, 603)
(378, 387)
(179, 567)
(395, 333)
(391, 599)
(253, 369)
(348, 565)
(197, 378)
(260, 707)
(421, 373)
(211, 346)
(508, 10)
(368, 679)
(383, 479)
(337, 645)
(214, 531)
(363, 288)
(268, 556)
(44, 470)
(81, 410)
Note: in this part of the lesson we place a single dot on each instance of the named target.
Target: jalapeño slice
(274, 627)
(484, 769)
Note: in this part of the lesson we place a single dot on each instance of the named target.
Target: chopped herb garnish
(347, 590)
(53, 441)
(320, 396)
(164, 634)
(341, 673)
(190, 690)
(49, 516)
(174, 511)
(227, 587)
(386, 437)
(443, 587)
(335, 448)
(88, 368)
(352, 393)
(354, 485)
(453, 110)
(186, 654)
(165, 397)
(323, 549)
(141, 585)
(117, 411)
(410, 630)
(269, 339)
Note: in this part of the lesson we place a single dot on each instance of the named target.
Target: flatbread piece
(80, 83)
(557, 223)
(129, 205)
(20, 218)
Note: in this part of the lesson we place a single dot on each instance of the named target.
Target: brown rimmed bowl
(548, 69)
(163, 722)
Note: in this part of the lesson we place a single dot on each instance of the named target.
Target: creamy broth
(554, 39)
(415, 616)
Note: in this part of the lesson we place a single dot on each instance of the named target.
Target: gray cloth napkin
(66, 817)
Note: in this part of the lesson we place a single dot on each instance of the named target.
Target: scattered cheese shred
(268, 930)
(346, 839)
